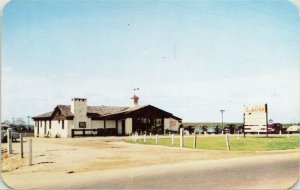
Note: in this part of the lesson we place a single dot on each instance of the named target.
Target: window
(63, 124)
(50, 124)
(82, 124)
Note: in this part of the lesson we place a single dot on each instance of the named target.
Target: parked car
(186, 132)
(189, 128)
(293, 129)
(15, 135)
(199, 129)
(230, 128)
(240, 128)
(214, 130)
(275, 128)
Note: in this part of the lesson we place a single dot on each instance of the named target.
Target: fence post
(205, 133)
(169, 133)
(30, 152)
(227, 142)
(145, 138)
(238, 135)
(172, 139)
(9, 140)
(156, 138)
(22, 152)
(181, 138)
(288, 134)
(150, 135)
(195, 140)
(280, 132)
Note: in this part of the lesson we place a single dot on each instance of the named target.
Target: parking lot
(56, 160)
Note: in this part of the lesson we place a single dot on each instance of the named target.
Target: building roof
(44, 115)
(105, 110)
(97, 111)
(65, 110)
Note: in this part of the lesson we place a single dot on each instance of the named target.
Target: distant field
(210, 124)
(250, 143)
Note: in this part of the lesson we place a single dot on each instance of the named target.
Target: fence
(27, 134)
(93, 132)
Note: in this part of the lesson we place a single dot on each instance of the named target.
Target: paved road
(271, 171)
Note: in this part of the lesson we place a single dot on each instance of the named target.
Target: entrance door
(123, 127)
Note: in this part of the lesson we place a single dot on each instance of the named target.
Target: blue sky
(190, 58)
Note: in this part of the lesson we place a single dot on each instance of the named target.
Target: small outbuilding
(106, 120)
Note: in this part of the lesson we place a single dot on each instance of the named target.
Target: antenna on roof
(135, 89)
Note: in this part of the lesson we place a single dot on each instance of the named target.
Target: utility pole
(222, 111)
(28, 121)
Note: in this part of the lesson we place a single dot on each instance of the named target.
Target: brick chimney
(79, 110)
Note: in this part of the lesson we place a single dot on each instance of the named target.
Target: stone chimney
(79, 110)
(135, 101)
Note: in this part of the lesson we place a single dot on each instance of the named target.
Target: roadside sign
(256, 118)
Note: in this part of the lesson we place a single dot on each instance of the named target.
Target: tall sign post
(266, 109)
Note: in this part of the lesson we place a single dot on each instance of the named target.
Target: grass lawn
(250, 143)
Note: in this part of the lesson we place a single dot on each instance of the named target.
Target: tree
(20, 122)
(6, 122)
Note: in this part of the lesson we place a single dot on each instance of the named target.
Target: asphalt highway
(278, 171)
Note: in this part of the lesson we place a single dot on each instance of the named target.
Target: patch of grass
(250, 143)
(210, 124)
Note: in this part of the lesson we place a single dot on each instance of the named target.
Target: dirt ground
(55, 160)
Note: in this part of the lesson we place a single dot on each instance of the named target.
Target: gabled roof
(65, 110)
(105, 110)
(98, 111)
(44, 115)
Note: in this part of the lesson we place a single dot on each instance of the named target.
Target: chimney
(135, 101)
(79, 110)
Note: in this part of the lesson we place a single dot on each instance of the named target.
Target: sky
(190, 58)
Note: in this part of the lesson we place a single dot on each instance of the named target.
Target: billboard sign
(255, 118)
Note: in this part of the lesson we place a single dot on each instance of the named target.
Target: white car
(15, 135)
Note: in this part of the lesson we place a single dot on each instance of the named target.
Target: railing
(93, 132)
(25, 134)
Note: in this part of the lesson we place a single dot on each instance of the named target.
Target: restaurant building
(106, 120)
